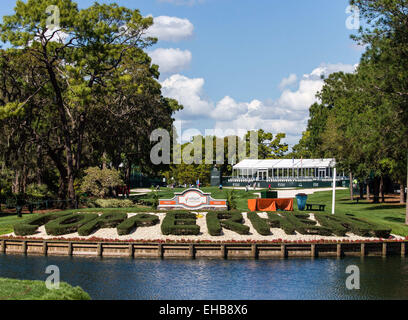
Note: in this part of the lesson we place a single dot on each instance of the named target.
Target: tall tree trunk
(361, 190)
(376, 190)
(104, 159)
(382, 189)
(351, 186)
(368, 191)
(402, 190)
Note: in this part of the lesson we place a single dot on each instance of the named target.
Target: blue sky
(241, 64)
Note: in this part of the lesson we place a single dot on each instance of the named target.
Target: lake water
(105, 278)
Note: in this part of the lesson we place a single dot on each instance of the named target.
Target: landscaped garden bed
(191, 226)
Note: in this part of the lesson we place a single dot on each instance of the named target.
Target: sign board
(192, 199)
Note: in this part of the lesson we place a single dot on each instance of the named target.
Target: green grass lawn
(391, 215)
(12, 289)
(385, 214)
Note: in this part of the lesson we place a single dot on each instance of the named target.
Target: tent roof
(285, 163)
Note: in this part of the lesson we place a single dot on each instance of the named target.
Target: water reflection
(219, 279)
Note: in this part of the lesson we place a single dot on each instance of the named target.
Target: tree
(269, 147)
(82, 91)
(100, 182)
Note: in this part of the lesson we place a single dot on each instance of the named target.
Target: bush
(114, 203)
(307, 227)
(30, 226)
(99, 182)
(233, 221)
(364, 228)
(139, 220)
(36, 192)
(69, 224)
(106, 220)
(333, 222)
(180, 223)
(260, 225)
(231, 199)
(277, 221)
(213, 224)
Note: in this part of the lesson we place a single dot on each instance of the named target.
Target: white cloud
(188, 92)
(286, 82)
(172, 29)
(288, 114)
(171, 60)
(309, 85)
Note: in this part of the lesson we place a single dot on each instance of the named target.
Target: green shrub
(231, 220)
(180, 223)
(235, 223)
(139, 220)
(213, 224)
(106, 220)
(99, 182)
(277, 221)
(260, 225)
(364, 228)
(114, 203)
(69, 224)
(231, 199)
(333, 222)
(30, 226)
(305, 226)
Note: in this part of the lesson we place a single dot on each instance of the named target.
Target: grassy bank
(12, 289)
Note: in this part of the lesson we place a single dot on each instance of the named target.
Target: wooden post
(45, 248)
(283, 251)
(131, 252)
(3, 246)
(223, 252)
(24, 247)
(362, 250)
(339, 250)
(99, 249)
(313, 250)
(191, 252)
(70, 250)
(403, 251)
(254, 251)
(384, 249)
(160, 250)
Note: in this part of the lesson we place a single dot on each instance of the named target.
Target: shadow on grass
(395, 219)
(386, 207)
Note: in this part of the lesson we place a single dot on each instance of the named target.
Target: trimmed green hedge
(235, 223)
(231, 220)
(31, 225)
(307, 227)
(338, 225)
(334, 222)
(260, 224)
(180, 223)
(357, 226)
(213, 224)
(292, 222)
(106, 220)
(69, 224)
(277, 221)
(140, 220)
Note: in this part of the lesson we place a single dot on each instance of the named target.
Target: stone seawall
(201, 250)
